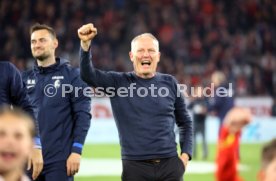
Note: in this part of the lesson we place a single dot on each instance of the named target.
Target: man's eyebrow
(43, 38)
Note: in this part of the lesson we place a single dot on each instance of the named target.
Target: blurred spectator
(221, 104)
(273, 109)
(198, 106)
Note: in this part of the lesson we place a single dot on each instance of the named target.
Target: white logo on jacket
(57, 84)
(57, 77)
(30, 83)
(57, 81)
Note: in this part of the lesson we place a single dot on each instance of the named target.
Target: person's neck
(14, 175)
(47, 62)
(145, 76)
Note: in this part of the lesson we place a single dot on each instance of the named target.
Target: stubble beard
(41, 57)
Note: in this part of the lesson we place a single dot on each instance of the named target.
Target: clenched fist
(86, 33)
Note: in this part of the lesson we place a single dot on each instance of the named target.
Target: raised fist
(87, 32)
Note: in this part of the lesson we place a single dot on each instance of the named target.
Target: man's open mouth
(146, 62)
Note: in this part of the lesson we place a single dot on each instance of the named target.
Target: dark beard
(41, 57)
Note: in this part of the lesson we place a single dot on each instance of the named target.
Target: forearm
(184, 123)
(79, 139)
(82, 115)
(186, 138)
(87, 70)
(92, 76)
(80, 133)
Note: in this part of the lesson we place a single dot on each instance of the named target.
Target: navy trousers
(165, 169)
(53, 172)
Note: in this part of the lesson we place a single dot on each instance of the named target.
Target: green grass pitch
(250, 156)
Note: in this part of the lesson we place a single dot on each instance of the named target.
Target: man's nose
(37, 45)
(146, 54)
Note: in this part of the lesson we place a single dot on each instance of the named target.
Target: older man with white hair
(145, 122)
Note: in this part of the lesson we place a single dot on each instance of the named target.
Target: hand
(185, 158)
(73, 164)
(36, 162)
(86, 33)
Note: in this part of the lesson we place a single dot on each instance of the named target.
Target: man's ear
(55, 43)
(131, 56)
(159, 55)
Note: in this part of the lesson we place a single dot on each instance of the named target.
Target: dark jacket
(13, 92)
(64, 118)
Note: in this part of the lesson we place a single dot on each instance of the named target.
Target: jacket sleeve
(20, 98)
(95, 77)
(184, 123)
(81, 107)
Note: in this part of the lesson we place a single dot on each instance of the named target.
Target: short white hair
(219, 76)
(142, 36)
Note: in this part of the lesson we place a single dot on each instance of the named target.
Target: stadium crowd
(196, 37)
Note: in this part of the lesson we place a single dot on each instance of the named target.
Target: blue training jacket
(13, 92)
(64, 119)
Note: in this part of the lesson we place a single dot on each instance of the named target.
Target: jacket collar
(51, 68)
